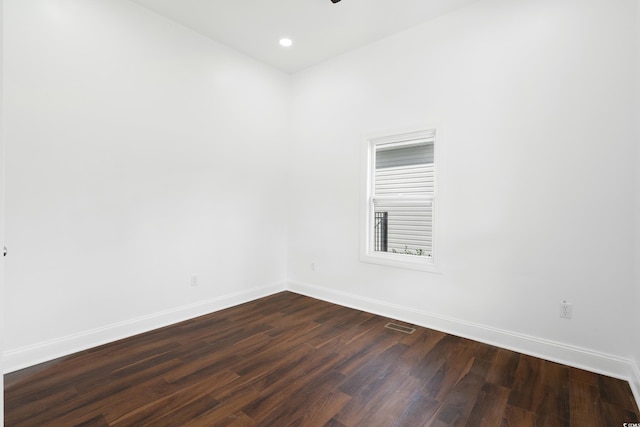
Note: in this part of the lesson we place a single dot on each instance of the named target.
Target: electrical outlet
(566, 310)
(313, 266)
(194, 280)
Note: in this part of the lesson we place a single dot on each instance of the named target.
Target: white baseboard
(635, 381)
(24, 357)
(577, 357)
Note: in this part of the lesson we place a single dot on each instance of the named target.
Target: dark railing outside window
(380, 231)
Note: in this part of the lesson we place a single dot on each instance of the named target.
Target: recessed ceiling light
(285, 42)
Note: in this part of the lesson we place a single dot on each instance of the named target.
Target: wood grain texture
(290, 360)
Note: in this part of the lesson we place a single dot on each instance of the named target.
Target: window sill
(401, 261)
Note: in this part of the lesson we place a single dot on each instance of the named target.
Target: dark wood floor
(289, 360)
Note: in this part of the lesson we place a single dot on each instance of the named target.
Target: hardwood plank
(33, 405)
(237, 420)
(334, 330)
(320, 411)
(458, 404)
(421, 342)
(311, 371)
(617, 392)
(554, 408)
(161, 399)
(98, 421)
(290, 360)
(334, 423)
(580, 375)
(526, 393)
(503, 369)
(368, 399)
(435, 359)
(372, 370)
(91, 403)
(615, 415)
(358, 351)
(490, 405)
(542, 387)
(233, 402)
(516, 417)
(451, 372)
(397, 405)
(420, 411)
(585, 404)
(305, 402)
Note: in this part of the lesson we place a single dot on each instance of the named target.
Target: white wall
(138, 153)
(535, 100)
(636, 306)
(2, 303)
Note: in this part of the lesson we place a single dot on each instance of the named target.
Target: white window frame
(396, 139)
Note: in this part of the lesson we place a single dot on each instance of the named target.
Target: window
(400, 200)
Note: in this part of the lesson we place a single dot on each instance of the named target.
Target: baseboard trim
(635, 381)
(24, 357)
(586, 359)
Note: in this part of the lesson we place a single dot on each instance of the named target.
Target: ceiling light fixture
(335, 1)
(285, 42)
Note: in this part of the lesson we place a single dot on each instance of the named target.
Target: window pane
(381, 236)
(404, 156)
(404, 228)
(404, 171)
(403, 225)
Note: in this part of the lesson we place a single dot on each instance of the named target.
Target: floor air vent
(400, 328)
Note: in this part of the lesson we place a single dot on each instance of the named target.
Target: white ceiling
(319, 29)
